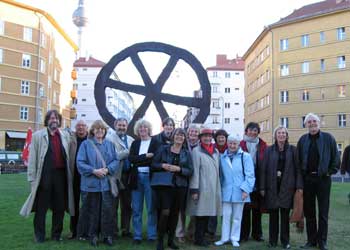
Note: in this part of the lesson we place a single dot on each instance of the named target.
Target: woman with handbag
(96, 160)
(279, 179)
(171, 169)
(141, 154)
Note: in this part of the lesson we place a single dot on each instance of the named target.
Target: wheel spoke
(161, 110)
(168, 69)
(182, 100)
(137, 89)
(141, 69)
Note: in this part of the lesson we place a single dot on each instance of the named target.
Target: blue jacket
(233, 182)
(87, 161)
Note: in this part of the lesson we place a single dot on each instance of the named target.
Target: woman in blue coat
(237, 181)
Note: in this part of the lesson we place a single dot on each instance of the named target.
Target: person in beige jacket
(205, 190)
(50, 176)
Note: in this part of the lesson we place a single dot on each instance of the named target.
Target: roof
(48, 17)
(304, 13)
(89, 62)
(222, 63)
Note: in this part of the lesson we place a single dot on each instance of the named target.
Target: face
(121, 127)
(193, 134)
(143, 131)
(81, 129)
(206, 139)
(53, 122)
(179, 138)
(252, 132)
(313, 125)
(281, 135)
(168, 128)
(221, 140)
(233, 145)
(99, 133)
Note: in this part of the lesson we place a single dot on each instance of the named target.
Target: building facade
(298, 65)
(227, 95)
(36, 58)
(119, 103)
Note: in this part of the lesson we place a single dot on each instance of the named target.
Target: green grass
(16, 232)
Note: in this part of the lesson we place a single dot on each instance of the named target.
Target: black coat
(345, 164)
(291, 177)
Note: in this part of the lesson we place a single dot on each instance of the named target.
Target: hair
(279, 127)
(80, 121)
(143, 122)
(121, 119)
(49, 113)
(311, 115)
(252, 125)
(234, 138)
(220, 132)
(167, 121)
(193, 126)
(97, 124)
(179, 131)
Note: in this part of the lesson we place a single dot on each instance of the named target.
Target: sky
(205, 28)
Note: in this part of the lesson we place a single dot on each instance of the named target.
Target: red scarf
(209, 148)
(221, 148)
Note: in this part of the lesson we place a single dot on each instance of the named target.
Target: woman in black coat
(279, 179)
(171, 169)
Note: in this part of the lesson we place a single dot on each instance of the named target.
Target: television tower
(81, 21)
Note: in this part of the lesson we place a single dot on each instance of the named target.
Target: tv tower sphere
(79, 18)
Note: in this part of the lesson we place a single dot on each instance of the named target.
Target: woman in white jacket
(237, 181)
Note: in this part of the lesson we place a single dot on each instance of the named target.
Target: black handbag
(162, 178)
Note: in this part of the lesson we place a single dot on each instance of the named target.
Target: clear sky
(205, 28)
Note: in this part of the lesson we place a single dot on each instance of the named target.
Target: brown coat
(291, 178)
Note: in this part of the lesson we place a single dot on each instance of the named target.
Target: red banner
(25, 152)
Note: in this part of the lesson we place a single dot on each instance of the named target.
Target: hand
(105, 171)
(174, 168)
(166, 166)
(149, 155)
(99, 172)
(262, 193)
(244, 196)
(195, 197)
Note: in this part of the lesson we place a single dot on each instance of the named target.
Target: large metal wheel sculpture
(152, 91)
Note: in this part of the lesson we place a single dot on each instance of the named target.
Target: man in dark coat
(345, 163)
(251, 218)
(318, 158)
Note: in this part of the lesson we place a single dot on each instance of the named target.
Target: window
(48, 104)
(340, 148)
(43, 40)
(237, 73)
(341, 35)
(227, 105)
(27, 34)
(25, 87)
(215, 120)
(227, 120)
(49, 81)
(284, 96)
(262, 102)
(267, 50)
(83, 115)
(342, 120)
(84, 84)
(236, 88)
(284, 122)
(236, 119)
(341, 91)
(83, 100)
(305, 95)
(267, 100)
(284, 70)
(341, 62)
(2, 27)
(305, 40)
(55, 98)
(322, 65)
(216, 104)
(236, 103)
(0, 83)
(50, 58)
(23, 113)
(227, 74)
(41, 91)
(305, 67)
(302, 122)
(215, 73)
(283, 44)
(322, 37)
(42, 66)
(214, 88)
(85, 69)
(227, 90)
(323, 91)
(1, 51)
(267, 75)
(40, 115)
(26, 61)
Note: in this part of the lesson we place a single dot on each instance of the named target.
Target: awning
(18, 135)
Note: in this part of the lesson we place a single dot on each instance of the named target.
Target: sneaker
(220, 243)
(235, 243)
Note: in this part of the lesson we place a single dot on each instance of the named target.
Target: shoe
(259, 239)
(108, 241)
(126, 234)
(235, 244)
(152, 240)
(72, 236)
(308, 245)
(181, 240)
(286, 246)
(323, 246)
(272, 245)
(202, 243)
(83, 238)
(136, 242)
(172, 245)
(94, 241)
(243, 240)
(39, 239)
(57, 238)
(220, 243)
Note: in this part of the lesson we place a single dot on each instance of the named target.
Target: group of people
(199, 173)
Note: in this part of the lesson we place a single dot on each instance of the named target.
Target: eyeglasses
(100, 128)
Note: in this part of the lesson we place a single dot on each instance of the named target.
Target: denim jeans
(143, 190)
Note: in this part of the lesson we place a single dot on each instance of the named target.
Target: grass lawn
(16, 232)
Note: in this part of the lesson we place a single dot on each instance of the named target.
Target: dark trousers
(319, 188)
(76, 192)
(99, 207)
(251, 216)
(212, 224)
(125, 207)
(51, 193)
(201, 226)
(274, 225)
